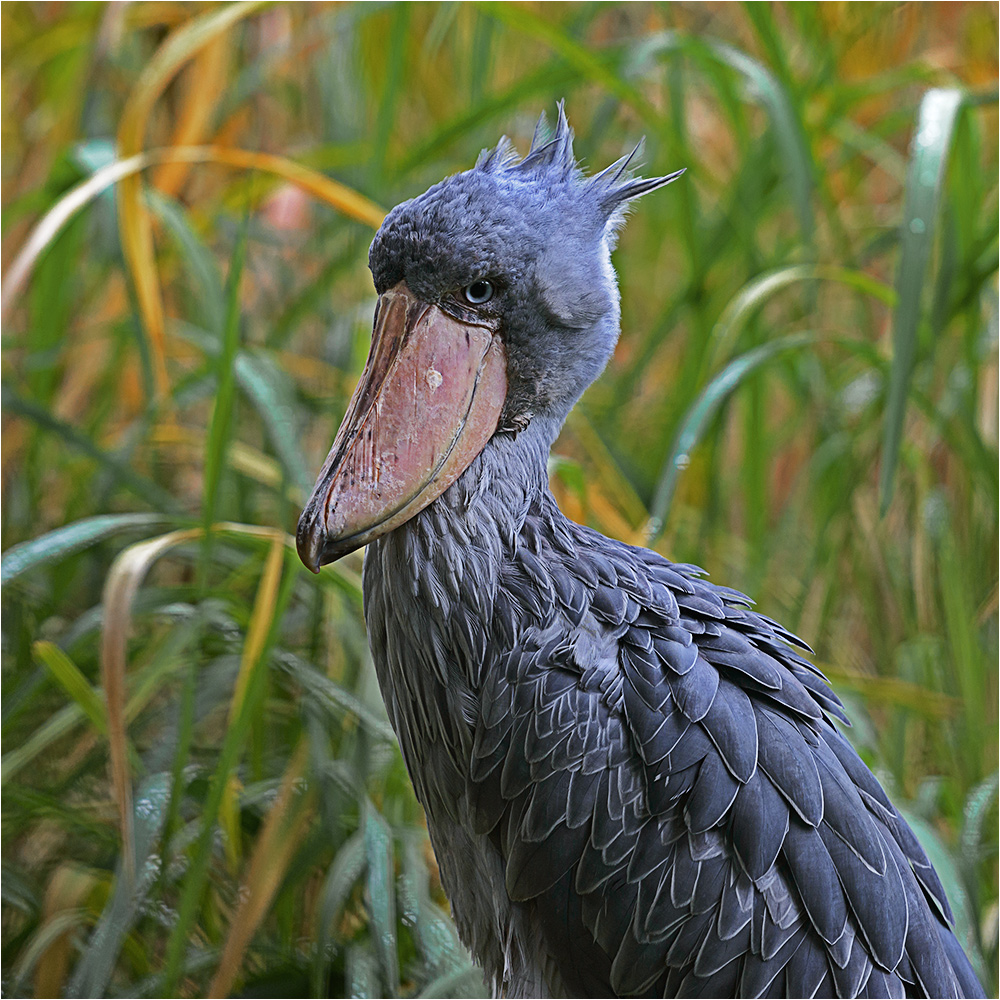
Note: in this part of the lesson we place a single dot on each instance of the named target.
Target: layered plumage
(632, 780)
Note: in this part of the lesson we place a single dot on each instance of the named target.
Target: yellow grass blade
(260, 620)
(337, 195)
(188, 443)
(284, 827)
(66, 893)
(134, 222)
(124, 577)
(229, 821)
(203, 83)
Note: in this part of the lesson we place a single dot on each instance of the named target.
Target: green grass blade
(92, 975)
(522, 20)
(68, 675)
(273, 397)
(145, 489)
(54, 728)
(765, 89)
(755, 293)
(362, 972)
(233, 745)
(220, 427)
(789, 136)
(701, 413)
(558, 76)
(331, 697)
(56, 545)
(929, 150)
(209, 293)
(341, 878)
(53, 290)
(382, 895)
(395, 76)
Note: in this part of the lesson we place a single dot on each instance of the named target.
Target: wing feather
(661, 775)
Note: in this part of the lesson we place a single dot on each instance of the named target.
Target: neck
(483, 512)
(446, 563)
(511, 468)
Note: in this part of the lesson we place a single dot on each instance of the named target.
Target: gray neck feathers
(431, 584)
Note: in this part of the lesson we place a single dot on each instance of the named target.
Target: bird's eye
(478, 292)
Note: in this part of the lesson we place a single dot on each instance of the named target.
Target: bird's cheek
(427, 403)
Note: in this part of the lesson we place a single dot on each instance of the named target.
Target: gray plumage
(632, 780)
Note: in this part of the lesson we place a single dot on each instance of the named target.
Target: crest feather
(557, 152)
(552, 154)
(500, 157)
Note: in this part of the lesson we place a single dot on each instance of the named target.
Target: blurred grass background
(201, 795)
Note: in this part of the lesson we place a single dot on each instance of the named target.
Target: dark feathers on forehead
(505, 215)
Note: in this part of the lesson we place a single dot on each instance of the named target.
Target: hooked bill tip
(308, 542)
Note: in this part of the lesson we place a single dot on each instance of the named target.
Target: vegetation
(201, 794)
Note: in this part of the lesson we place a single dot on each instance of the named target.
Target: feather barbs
(550, 160)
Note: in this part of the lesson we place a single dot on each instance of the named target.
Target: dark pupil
(479, 290)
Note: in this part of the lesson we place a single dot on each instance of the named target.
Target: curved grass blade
(124, 577)
(700, 414)
(330, 697)
(64, 541)
(344, 199)
(788, 130)
(233, 744)
(147, 490)
(286, 823)
(269, 390)
(382, 896)
(333, 193)
(62, 923)
(69, 887)
(929, 150)
(68, 674)
(135, 226)
(341, 878)
(752, 296)
(767, 90)
(94, 971)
